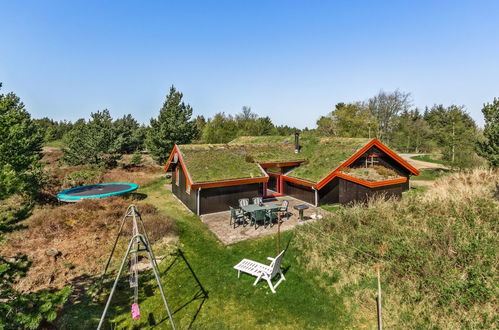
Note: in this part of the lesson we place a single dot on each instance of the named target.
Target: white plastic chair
(261, 271)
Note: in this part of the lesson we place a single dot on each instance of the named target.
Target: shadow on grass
(11, 215)
(286, 268)
(200, 295)
(135, 196)
(89, 296)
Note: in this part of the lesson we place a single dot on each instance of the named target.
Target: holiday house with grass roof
(209, 178)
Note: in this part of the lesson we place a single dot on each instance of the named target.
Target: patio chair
(271, 215)
(243, 202)
(257, 216)
(261, 271)
(284, 209)
(257, 200)
(236, 216)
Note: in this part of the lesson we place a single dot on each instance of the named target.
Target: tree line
(101, 140)
(391, 118)
(387, 116)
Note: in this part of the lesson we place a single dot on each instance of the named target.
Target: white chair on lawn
(261, 271)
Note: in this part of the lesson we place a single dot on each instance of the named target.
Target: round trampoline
(101, 190)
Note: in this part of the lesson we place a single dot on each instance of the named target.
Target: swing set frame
(137, 239)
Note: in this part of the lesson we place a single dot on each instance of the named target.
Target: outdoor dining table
(254, 207)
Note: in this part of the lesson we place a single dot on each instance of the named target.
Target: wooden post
(380, 321)
(278, 232)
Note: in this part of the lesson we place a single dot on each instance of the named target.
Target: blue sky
(290, 60)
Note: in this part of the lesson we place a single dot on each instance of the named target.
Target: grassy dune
(438, 252)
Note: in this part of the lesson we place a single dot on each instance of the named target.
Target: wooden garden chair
(261, 271)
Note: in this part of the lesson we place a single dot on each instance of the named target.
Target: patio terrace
(219, 223)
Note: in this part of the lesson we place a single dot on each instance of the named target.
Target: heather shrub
(81, 235)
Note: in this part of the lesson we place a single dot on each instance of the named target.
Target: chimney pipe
(297, 142)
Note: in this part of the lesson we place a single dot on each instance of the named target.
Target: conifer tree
(489, 147)
(94, 142)
(20, 148)
(20, 174)
(173, 126)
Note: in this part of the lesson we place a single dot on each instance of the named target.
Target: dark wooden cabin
(210, 178)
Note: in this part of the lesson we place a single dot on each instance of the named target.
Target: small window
(177, 176)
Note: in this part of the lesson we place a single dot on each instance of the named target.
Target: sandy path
(419, 164)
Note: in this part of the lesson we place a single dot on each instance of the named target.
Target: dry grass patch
(60, 176)
(69, 242)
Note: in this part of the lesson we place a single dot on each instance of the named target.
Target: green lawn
(230, 302)
(330, 208)
(430, 174)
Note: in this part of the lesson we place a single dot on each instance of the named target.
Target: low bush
(136, 159)
(81, 177)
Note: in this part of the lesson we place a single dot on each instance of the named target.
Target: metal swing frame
(137, 238)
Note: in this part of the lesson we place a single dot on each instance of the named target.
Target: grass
(371, 173)
(231, 302)
(431, 174)
(224, 162)
(432, 158)
(55, 144)
(437, 250)
(415, 190)
(330, 208)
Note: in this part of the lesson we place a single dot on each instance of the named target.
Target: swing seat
(135, 311)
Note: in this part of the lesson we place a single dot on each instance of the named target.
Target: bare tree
(246, 114)
(385, 107)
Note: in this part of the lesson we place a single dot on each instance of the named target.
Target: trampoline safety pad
(93, 191)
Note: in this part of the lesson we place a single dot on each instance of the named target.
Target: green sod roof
(216, 162)
(239, 158)
(372, 173)
(322, 154)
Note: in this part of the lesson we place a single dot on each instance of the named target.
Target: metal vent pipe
(297, 142)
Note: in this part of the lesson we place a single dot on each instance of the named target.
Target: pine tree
(173, 126)
(455, 132)
(20, 174)
(20, 148)
(489, 147)
(94, 142)
(129, 135)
